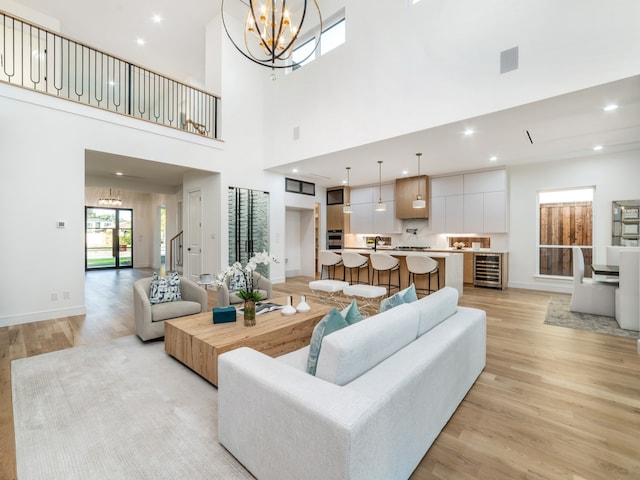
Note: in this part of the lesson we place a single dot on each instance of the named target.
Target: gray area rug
(117, 410)
(558, 314)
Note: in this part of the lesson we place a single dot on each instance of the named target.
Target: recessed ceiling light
(156, 18)
(119, 174)
(469, 131)
(344, 182)
(295, 170)
(597, 147)
(493, 158)
(140, 41)
(405, 172)
(610, 107)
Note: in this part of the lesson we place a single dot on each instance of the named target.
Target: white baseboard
(542, 287)
(43, 315)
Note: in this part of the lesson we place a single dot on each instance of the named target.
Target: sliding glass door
(108, 235)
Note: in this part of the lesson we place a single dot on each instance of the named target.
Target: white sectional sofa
(384, 388)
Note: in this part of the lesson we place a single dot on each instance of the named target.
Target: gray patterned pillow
(165, 289)
(237, 282)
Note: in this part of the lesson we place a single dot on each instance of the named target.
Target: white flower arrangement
(458, 245)
(247, 293)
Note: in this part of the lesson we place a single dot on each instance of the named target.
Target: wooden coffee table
(195, 341)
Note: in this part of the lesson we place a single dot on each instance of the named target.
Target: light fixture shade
(347, 208)
(381, 206)
(271, 29)
(419, 203)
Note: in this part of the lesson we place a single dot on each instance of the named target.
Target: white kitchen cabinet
(473, 215)
(361, 217)
(446, 214)
(495, 212)
(469, 203)
(364, 218)
(482, 182)
(362, 195)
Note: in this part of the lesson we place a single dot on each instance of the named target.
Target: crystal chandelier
(347, 206)
(110, 201)
(271, 29)
(380, 206)
(419, 202)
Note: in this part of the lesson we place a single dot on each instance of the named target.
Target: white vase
(303, 306)
(288, 309)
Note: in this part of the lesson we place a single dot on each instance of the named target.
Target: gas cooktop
(412, 248)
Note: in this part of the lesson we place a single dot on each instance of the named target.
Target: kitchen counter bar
(450, 266)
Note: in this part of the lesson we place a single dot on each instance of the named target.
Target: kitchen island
(450, 267)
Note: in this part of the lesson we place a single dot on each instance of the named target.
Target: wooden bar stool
(419, 265)
(353, 260)
(383, 262)
(329, 260)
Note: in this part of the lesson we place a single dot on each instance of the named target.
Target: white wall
(615, 177)
(405, 69)
(43, 152)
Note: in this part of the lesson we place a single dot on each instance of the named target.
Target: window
(333, 35)
(565, 220)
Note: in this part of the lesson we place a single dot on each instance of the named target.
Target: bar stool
(329, 260)
(353, 260)
(383, 262)
(419, 265)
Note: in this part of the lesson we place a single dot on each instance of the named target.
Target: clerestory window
(333, 35)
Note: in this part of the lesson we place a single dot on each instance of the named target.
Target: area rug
(115, 410)
(558, 314)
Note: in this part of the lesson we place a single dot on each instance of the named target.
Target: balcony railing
(34, 58)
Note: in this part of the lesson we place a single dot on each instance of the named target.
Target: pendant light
(347, 206)
(380, 206)
(419, 202)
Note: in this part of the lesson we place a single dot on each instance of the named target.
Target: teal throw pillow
(390, 302)
(332, 322)
(409, 294)
(351, 313)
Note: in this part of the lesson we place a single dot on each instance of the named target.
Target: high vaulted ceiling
(564, 127)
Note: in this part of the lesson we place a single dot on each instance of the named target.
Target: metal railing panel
(34, 58)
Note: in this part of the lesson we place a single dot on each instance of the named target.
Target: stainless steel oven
(334, 240)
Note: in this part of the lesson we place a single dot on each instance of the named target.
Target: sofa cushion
(332, 321)
(390, 302)
(407, 295)
(435, 308)
(352, 313)
(164, 289)
(352, 351)
(179, 308)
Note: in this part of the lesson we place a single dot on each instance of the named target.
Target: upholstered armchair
(227, 297)
(150, 318)
(588, 296)
(627, 298)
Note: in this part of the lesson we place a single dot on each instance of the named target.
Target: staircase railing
(175, 252)
(34, 58)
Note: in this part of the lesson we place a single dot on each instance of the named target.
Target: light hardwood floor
(552, 403)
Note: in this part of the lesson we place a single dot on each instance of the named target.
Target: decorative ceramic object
(288, 309)
(303, 306)
(249, 313)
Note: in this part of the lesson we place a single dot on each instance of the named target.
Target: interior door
(194, 250)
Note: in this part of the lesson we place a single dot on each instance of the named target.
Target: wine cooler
(487, 270)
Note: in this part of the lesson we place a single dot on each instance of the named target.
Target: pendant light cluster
(419, 202)
(273, 29)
